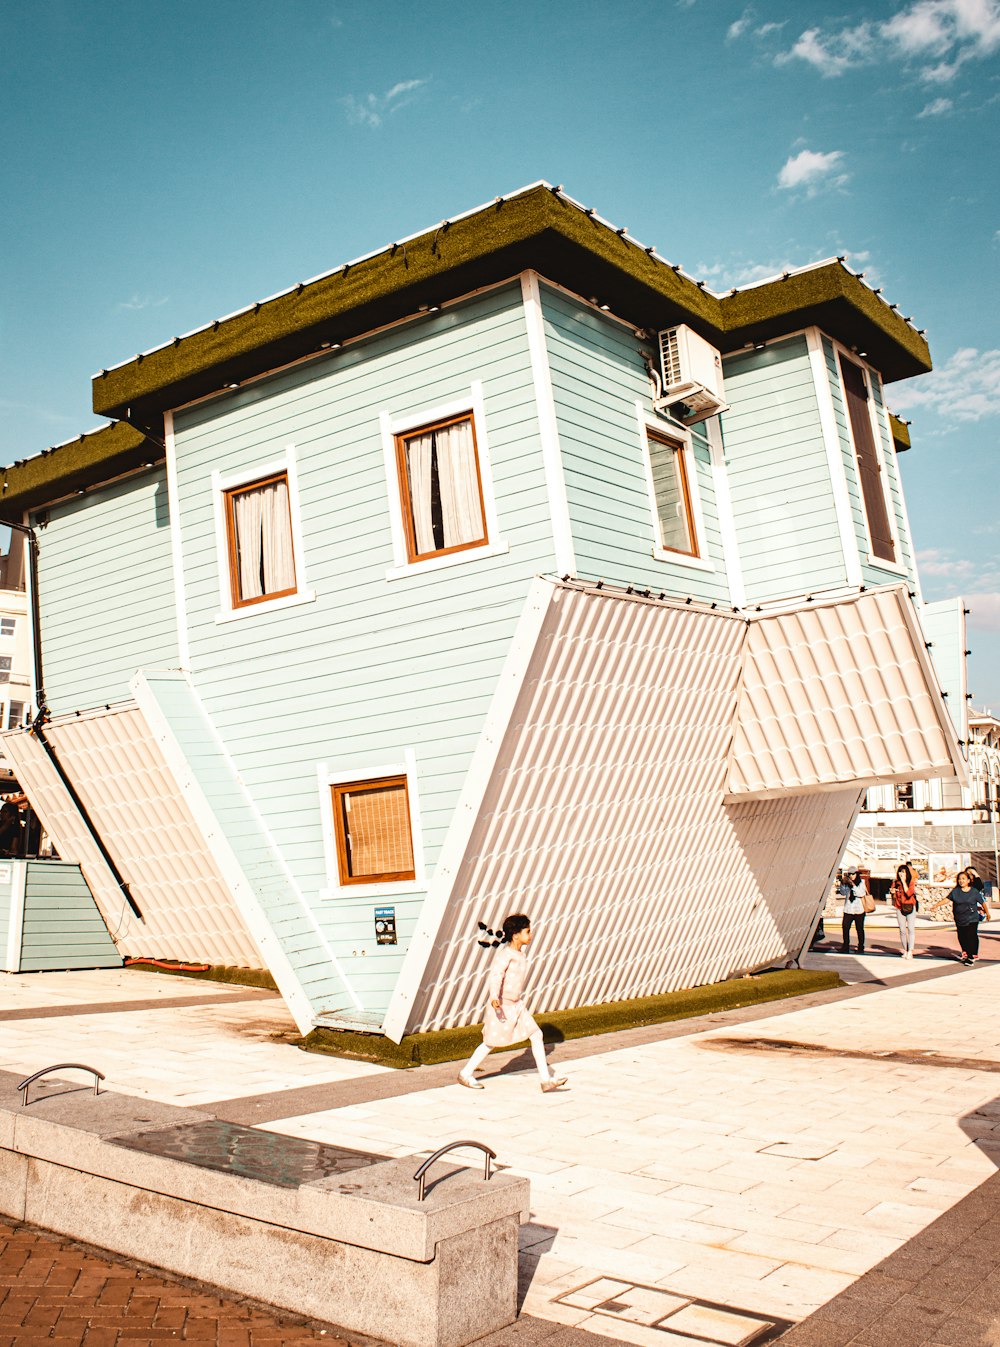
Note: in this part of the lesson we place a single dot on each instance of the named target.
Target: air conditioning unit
(691, 377)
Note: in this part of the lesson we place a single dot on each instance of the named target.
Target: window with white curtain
(259, 527)
(441, 489)
(674, 512)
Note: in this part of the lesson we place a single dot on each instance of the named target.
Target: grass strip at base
(452, 1045)
(241, 977)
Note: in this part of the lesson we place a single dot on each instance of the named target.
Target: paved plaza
(761, 1160)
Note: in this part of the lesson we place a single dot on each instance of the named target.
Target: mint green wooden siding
(62, 926)
(106, 591)
(872, 572)
(598, 376)
(373, 666)
(779, 475)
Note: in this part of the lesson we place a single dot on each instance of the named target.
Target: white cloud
(372, 109)
(965, 388)
(810, 171)
(937, 108)
(937, 35)
(936, 562)
(136, 303)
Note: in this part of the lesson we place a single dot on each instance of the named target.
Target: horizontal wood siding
(598, 375)
(62, 926)
(779, 476)
(373, 666)
(106, 591)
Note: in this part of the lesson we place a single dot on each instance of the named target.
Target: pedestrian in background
(904, 900)
(854, 912)
(967, 907)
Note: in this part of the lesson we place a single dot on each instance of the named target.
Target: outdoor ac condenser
(691, 374)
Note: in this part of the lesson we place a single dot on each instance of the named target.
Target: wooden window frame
(406, 509)
(340, 788)
(680, 450)
(236, 600)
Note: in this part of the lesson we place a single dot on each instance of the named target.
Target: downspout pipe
(43, 714)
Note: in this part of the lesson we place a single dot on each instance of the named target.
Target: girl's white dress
(509, 970)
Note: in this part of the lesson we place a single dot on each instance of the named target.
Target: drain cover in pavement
(269, 1157)
(684, 1316)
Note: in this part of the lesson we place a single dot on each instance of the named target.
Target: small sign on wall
(385, 926)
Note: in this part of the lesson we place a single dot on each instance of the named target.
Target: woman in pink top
(508, 1020)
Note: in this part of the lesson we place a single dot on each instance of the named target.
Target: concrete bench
(331, 1234)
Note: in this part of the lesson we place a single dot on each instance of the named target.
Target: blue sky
(166, 164)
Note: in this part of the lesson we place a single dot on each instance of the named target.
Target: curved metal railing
(60, 1066)
(421, 1174)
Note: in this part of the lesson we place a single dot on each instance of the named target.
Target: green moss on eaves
(97, 456)
(452, 1045)
(900, 432)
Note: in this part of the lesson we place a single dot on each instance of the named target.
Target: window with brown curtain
(672, 493)
(440, 488)
(259, 533)
(371, 820)
(869, 460)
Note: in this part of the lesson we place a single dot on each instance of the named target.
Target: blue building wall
(373, 666)
(106, 591)
(779, 474)
(598, 376)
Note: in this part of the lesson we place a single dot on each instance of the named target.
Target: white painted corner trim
(15, 929)
(548, 425)
(726, 515)
(176, 542)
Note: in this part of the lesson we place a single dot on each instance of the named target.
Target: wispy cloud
(936, 108)
(739, 26)
(137, 303)
(372, 109)
(985, 609)
(965, 388)
(937, 36)
(945, 565)
(810, 171)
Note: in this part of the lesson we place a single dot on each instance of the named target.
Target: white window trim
(339, 777)
(670, 430)
(221, 483)
(391, 426)
(894, 567)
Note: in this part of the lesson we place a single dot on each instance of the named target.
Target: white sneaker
(468, 1082)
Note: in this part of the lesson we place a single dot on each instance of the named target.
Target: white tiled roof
(838, 694)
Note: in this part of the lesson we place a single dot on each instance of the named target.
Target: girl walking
(507, 1018)
(904, 900)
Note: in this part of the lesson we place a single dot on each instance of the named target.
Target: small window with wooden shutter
(371, 821)
(869, 460)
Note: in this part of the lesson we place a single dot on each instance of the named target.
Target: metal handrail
(61, 1066)
(421, 1174)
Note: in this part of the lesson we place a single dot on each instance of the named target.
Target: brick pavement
(64, 1294)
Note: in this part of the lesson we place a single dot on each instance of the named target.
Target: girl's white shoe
(468, 1082)
(553, 1083)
